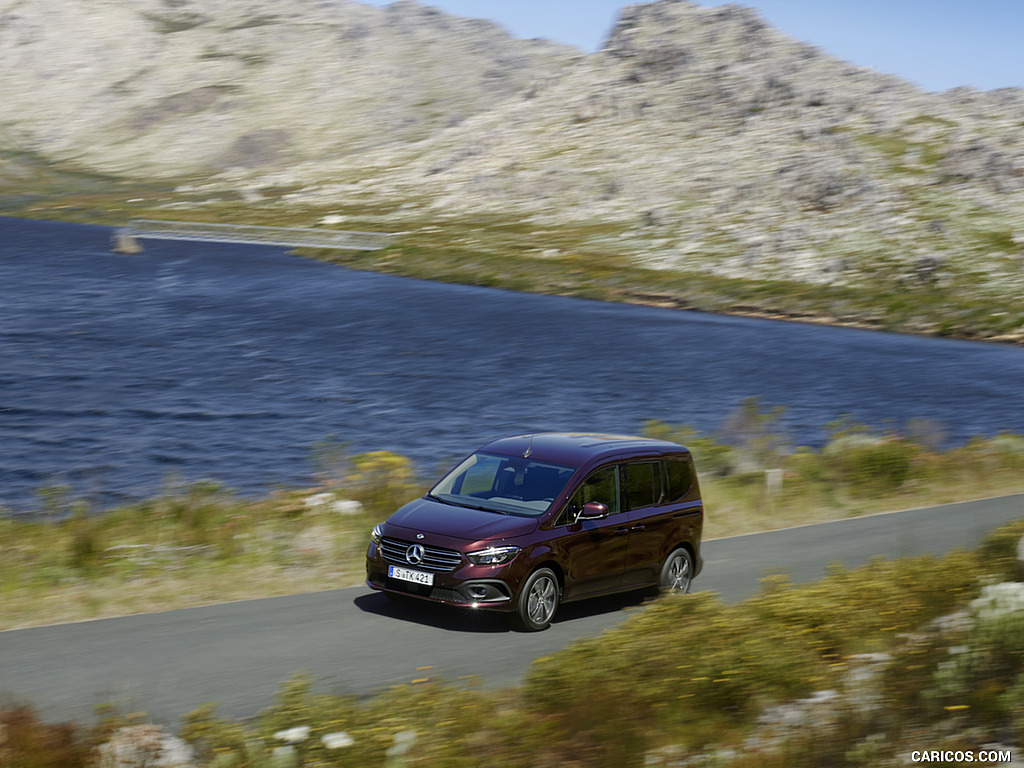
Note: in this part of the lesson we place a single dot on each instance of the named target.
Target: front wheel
(537, 602)
(676, 573)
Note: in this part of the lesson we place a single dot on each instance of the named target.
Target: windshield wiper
(432, 497)
(482, 509)
(454, 503)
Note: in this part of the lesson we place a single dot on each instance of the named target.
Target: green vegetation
(752, 479)
(925, 653)
(594, 260)
(195, 544)
(200, 543)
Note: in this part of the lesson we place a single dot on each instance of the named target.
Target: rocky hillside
(172, 87)
(700, 139)
(721, 145)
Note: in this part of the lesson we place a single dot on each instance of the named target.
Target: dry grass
(196, 546)
(735, 508)
(202, 546)
(85, 599)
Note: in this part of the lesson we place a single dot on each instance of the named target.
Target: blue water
(120, 374)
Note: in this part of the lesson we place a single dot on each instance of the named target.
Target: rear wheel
(676, 573)
(537, 602)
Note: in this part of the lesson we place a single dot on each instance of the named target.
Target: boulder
(145, 746)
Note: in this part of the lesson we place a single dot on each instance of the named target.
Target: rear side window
(641, 485)
(678, 478)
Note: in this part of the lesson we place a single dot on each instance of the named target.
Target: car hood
(428, 516)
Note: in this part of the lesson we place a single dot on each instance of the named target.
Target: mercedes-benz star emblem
(414, 554)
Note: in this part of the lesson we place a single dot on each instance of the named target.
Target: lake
(121, 374)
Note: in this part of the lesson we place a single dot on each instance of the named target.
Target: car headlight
(493, 555)
(376, 534)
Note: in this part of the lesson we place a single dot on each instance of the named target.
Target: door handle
(637, 527)
(621, 530)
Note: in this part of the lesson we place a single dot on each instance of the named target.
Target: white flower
(318, 500)
(293, 735)
(346, 507)
(283, 756)
(337, 740)
(999, 600)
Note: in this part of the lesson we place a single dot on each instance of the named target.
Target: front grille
(404, 586)
(434, 558)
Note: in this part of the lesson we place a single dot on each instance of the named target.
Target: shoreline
(672, 301)
(576, 282)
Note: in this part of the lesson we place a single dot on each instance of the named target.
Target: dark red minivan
(528, 522)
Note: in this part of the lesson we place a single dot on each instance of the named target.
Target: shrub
(986, 458)
(691, 667)
(197, 511)
(1005, 452)
(711, 457)
(879, 600)
(998, 634)
(1012, 704)
(973, 668)
(85, 547)
(982, 675)
(871, 466)
(756, 435)
(998, 553)
(449, 725)
(381, 480)
(212, 735)
(26, 742)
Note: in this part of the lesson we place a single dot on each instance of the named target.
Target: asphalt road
(355, 641)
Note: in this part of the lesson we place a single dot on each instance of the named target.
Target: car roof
(580, 448)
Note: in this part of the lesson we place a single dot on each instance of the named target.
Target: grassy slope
(584, 260)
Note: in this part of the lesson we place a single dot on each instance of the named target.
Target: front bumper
(468, 586)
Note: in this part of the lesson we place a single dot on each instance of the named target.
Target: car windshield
(505, 484)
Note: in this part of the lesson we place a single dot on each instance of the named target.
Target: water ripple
(231, 362)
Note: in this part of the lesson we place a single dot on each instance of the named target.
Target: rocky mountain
(172, 87)
(700, 138)
(721, 145)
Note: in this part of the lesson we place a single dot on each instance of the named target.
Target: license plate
(416, 577)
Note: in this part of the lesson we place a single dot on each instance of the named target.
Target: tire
(537, 602)
(676, 573)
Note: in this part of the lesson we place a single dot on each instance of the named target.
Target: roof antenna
(529, 449)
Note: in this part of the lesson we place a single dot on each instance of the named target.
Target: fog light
(477, 592)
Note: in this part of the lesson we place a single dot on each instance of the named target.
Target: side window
(641, 485)
(677, 477)
(602, 486)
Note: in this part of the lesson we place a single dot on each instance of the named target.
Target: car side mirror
(593, 510)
